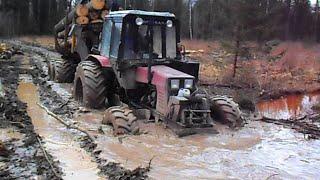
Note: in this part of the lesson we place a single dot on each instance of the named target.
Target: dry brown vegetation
(287, 68)
(45, 41)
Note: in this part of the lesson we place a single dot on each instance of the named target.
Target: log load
(92, 12)
(82, 10)
(95, 9)
(97, 4)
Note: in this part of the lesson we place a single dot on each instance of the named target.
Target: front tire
(122, 119)
(225, 110)
(90, 85)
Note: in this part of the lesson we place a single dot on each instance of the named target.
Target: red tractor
(134, 58)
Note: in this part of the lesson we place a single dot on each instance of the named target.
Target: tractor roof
(123, 14)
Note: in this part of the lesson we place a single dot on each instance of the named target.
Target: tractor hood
(161, 74)
(160, 78)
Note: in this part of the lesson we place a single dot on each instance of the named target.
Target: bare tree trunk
(237, 49)
(317, 24)
(190, 20)
(288, 11)
(236, 57)
(152, 5)
(268, 7)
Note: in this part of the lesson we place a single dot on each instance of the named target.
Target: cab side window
(106, 39)
(115, 39)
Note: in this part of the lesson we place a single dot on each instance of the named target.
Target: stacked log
(84, 14)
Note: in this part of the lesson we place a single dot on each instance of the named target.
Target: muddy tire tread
(122, 119)
(228, 109)
(64, 71)
(94, 84)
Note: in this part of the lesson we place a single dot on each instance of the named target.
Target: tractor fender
(102, 60)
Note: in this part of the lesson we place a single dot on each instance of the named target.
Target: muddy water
(76, 163)
(258, 151)
(290, 107)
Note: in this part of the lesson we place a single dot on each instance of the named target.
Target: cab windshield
(157, 41)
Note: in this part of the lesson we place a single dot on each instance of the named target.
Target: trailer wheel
(122, 119)
(64, 70)
(225, 110)
(90, 85)
(51, 70)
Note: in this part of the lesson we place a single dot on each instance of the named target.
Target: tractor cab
(138, 36)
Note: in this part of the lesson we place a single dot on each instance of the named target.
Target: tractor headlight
(169, 23)
(139, 21)
(175, 84)
(188, 83)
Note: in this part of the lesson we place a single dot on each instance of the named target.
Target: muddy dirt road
(257, 151)
(76, 163)
(21, 150)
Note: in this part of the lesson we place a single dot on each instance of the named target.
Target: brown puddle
(59, 142)
(257, 151)
(291, 106)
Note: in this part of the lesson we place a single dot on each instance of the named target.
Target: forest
(200, 19)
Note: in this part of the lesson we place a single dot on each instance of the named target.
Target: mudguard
(103, 61)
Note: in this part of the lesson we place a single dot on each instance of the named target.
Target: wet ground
(257, 151)
(21, 155)
(76, 163)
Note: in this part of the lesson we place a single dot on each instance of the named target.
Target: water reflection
(291, 106)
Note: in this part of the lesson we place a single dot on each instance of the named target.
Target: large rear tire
(225, 110)
(122, 119)
(90, 85)
(64, 70)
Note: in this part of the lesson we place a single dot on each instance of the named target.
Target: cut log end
(82, 20)
(98, 4)
(82, 10)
